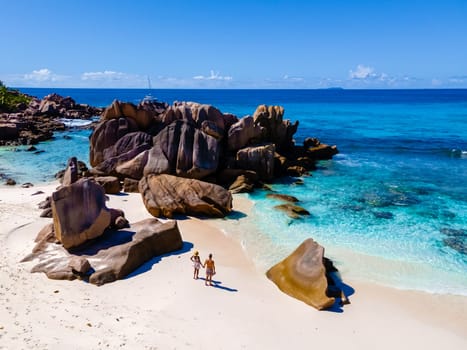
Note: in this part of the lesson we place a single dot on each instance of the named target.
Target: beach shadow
(235, 215)
(121, 194)
(337, 289)
(180, 217)
(187, 246)
(217, 284)
(109, 239)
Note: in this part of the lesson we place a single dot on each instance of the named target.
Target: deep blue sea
(390, 208)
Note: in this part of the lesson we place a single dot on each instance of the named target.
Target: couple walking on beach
(208, 264)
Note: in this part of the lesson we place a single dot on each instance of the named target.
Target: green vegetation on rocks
(10, 99)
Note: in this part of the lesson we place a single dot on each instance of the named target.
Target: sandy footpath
(161, 306)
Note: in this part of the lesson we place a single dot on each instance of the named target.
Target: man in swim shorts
(210, 270)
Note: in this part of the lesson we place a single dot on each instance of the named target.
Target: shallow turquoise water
(50, 157)
(401, 222)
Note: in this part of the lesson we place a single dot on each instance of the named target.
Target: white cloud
(106, 75)
(213, 76)
(113, 79)
(43, 75)
(458, 80)
(167, 82)
(293, 79)
(329, 83)
(363, 72)
(368, 77)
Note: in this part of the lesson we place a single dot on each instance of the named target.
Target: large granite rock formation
(278, 131)
(244, 133)
(127, 143)
(106, 134)
(259, 159)
(79, 212)
(133, 168)
(198, 141)
(302, 275)
(110, 257)
(111, 165)
(183, 150)
(165, 195)
(143, 115)
(204, 117)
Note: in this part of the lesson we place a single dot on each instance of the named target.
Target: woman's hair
(210, 256)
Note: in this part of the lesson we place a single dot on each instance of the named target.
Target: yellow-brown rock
(302, 275)
(166, 195)
(117, 109)
(277, 130)
(128, 110)
(143, 118)
(113, 111)
(292, 210)
(109, 257)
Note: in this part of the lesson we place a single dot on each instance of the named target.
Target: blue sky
(234, 44)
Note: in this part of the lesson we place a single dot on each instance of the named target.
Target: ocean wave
(458, 153)
(76, 123)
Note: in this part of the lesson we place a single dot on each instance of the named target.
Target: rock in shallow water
(456, 239)
(292, 210)
(283, 197)
(383, 214)
(457, 243)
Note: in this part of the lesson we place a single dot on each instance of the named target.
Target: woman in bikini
(210, 270)
(196, 264)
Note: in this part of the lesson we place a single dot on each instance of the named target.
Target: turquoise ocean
(390, 208)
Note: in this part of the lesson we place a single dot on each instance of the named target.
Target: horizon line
(264, 88)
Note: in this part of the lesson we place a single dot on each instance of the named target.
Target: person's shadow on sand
(341, 292)
(217, 284)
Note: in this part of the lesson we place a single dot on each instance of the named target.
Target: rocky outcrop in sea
(35, 122)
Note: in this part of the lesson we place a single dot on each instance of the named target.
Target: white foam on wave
(458, 153)
(75, 123)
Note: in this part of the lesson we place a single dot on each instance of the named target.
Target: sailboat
(149, 97)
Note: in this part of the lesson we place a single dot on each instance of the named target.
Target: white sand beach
(163, 307)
